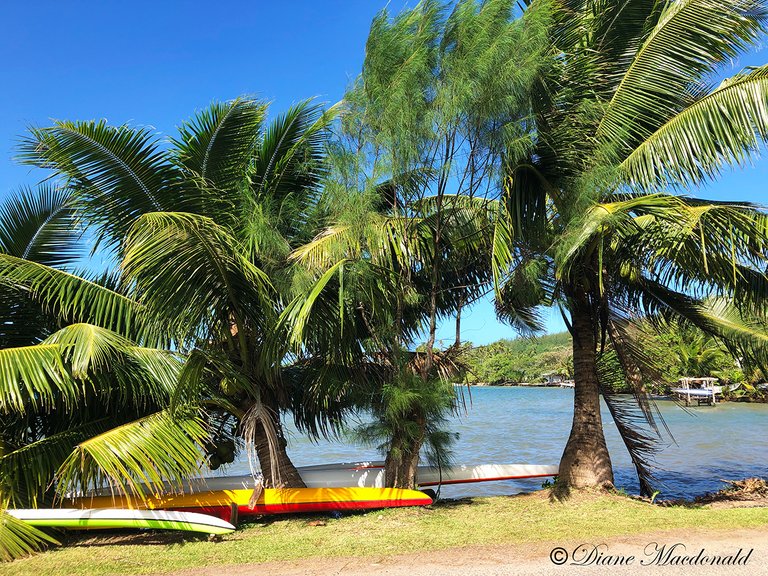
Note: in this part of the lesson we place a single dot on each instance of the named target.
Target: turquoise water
(531, 425)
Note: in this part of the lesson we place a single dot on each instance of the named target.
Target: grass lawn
(480, 521)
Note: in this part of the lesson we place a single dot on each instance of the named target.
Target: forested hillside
(676, 352)
(520, 359)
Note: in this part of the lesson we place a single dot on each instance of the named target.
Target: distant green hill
(677, 351)
(520, 360)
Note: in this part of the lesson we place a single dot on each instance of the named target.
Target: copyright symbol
(559, 556)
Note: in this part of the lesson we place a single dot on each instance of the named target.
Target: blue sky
(154, 63)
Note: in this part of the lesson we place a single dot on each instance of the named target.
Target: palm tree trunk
(585, 462)
(276, 467)
(457, 341)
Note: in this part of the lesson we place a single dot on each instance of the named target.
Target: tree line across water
(676, 351)
(268, 265)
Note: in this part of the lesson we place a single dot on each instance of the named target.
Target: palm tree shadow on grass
(133, 538)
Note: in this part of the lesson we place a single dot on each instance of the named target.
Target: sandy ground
(534, 559)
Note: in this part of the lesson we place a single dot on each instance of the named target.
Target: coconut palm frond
(696, 246)
(641, 444)
(617, 30)
(19, 539)
(187, 267)
(715, 316)
(120, 172)
(745, 332)
(210, 374)
(397, 193)
(503, 255)
(328, 247)
(689, 41)
(218, 143)
(162, 447)
(82, 359)
(40, 225)
(289, 157)
(85, 347)
(27, 472)
(586, 233)
(115, 369)
(297, 314)
(524, 291)
(72, 298)
(631, 414)
(382, 238)
(259, 418)
(720, 130)
(34, 376)
(639, 369)
(525, 199)
(24, 321)
(447, 365)
(323, 396)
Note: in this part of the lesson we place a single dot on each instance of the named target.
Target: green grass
(481, 521)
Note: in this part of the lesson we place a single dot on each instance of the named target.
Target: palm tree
(621, 119)
(201, 230)
(79, 399)
(601, 121)
(35, 224)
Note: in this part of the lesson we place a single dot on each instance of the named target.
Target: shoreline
(655, 397)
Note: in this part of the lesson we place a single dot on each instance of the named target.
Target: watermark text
(653, 554)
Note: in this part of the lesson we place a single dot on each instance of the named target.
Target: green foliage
(409, 410)
(693, 353)
(218, 143)
(91, 393)
(189, 265)
(443, 79)
(407, 240)
(19, 539)
(40, 225)
(674, 351)
(622, 110)
(118, 172)
(140, 455)
(533, 152)
(520, 360)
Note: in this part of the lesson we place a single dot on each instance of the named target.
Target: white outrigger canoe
(371, 475)
(113, 518)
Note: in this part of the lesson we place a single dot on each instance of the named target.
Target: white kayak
(371, 475)
(109, 518)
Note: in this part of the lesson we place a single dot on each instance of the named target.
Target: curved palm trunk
(585, 462)
(278, 471)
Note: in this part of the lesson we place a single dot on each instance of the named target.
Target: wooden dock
(703, 391)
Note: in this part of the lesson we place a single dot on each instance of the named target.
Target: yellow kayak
(270, 501)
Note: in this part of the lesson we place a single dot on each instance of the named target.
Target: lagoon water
(531, 425)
